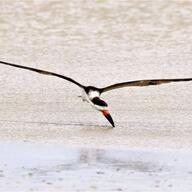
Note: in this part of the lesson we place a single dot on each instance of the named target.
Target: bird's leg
(83, 99)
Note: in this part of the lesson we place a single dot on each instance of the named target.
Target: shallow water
(35, 167)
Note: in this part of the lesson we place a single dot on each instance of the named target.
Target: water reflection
(34, 166)
(115, 159)
(75, 159)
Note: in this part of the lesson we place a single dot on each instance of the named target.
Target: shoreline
(99, 136)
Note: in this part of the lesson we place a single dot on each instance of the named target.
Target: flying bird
(92, 94)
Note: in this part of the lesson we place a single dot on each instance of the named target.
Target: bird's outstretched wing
(142, 83)
(43, 72)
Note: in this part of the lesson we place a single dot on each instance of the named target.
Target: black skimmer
(92, 94)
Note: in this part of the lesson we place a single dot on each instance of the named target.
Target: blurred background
(96, 42)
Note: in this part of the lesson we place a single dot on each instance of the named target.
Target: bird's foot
(83, 99)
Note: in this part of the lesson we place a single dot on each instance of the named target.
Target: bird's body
(92, 94)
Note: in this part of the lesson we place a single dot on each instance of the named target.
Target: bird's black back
(91, 88)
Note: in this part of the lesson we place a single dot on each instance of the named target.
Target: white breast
(93, 94)
(90, 96)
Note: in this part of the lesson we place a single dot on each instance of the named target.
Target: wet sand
(44, 125)
(139, 123)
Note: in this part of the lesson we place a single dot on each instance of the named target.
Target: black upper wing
(44, 72)
(142, 83)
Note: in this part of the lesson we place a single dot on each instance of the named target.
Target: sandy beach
(52, 141)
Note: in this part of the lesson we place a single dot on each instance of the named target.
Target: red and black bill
(108, 117)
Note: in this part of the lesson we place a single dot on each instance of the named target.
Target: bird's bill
(108, 117)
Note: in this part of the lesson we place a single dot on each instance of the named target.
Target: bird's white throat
(93, 94)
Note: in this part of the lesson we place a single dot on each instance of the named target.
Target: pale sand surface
(139, 123)
(97, 43)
